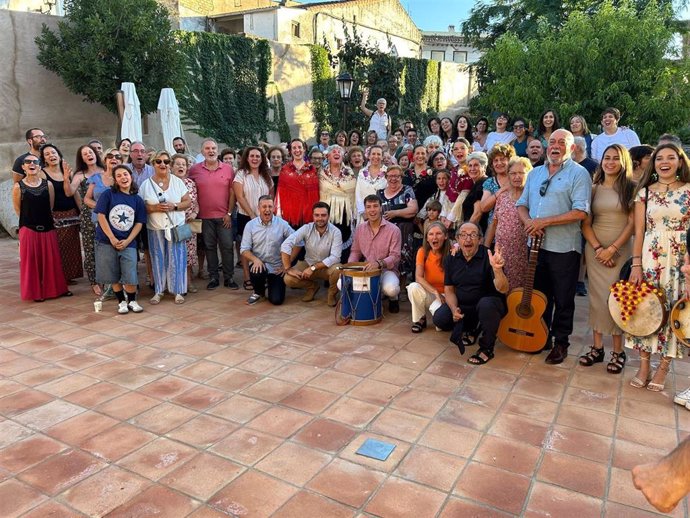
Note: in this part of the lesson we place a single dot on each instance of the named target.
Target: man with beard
(553, 204)
(179, 145)
(261, 242)
(35, 138)
(323, 245)
(474, 286)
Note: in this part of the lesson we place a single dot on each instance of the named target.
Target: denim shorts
(116, 266)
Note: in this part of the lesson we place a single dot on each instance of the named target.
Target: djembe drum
(680, 321)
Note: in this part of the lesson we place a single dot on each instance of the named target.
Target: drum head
(680, 321)
(648, 317)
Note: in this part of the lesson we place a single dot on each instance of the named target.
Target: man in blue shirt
(555, 200)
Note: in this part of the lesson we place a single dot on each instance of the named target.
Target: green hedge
(224, 95)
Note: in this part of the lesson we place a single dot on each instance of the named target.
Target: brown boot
(311, 292)
(332, 295)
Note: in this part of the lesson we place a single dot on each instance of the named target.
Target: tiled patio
(214, 408)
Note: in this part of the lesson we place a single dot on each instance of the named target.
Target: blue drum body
(360, 295)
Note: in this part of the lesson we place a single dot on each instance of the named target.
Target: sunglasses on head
(29, 161)
(160, 161)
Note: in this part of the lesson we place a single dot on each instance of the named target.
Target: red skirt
(40, 266)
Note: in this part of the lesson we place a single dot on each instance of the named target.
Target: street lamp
(345, 83)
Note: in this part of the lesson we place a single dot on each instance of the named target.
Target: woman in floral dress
(658, 250)
(180, 168)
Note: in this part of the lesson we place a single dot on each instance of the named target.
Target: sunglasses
(518, 126)
(29, 161)
(544, 187)
(160, 161)
(116, 155)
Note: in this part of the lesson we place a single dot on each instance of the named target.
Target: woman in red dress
(298, 187)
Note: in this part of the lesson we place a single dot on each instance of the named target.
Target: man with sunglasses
(554, 202)
(35, 138)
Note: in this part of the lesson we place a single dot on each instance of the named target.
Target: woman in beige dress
(608, 230)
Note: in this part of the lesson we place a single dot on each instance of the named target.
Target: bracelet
(616, 248)
(637, 257)
(635, 265)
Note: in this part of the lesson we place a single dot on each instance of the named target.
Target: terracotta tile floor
(214, 408)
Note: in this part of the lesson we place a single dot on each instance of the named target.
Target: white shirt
(253, 189)
(623, 136)
(379, 124)
(153, 194)
(498, 138)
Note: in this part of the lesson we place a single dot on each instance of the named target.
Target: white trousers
(421, 300)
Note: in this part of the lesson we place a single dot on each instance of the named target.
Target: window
(438, 55)
(460, 56)
(295, 30)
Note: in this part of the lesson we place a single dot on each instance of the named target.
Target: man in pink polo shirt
(213, 180)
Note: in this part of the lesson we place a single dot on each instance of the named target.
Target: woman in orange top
(427, 290)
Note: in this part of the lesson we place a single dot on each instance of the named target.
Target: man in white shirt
(612, 134)
(379, 121)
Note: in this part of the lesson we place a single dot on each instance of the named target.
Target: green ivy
(224, 95)
(281, 122)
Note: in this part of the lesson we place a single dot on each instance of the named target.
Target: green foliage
(409, 85)
(616, 56)
(281, 122)
(224, 94)
(102, 43)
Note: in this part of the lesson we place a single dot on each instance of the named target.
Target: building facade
(448, 46)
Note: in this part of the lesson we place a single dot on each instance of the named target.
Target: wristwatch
(313, 268)
(175, 206)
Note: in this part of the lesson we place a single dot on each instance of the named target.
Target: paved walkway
(213, 408)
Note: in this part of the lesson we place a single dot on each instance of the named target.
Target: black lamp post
(345, 83)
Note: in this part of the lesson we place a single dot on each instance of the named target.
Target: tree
(490, 19)
(102, 43)
(613, 57)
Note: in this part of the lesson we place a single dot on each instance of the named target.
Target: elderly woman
(499, 157)
(337, 185)
(87, 164)
(40, 266)
(438, 160)
(298, 187)
(471, 206)
(370, 179)
(426, 293)
(180, 168)
(253, 180)
(355, 159)
(166, 199)
(432, 144)
(399, 206)
(507, 226)
(65, 212)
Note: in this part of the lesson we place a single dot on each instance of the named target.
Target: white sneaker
(135, 307)
(682, 398)
(122, 308)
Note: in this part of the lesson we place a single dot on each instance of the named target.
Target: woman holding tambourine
(658, 250)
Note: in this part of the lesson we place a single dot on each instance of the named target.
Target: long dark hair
(623, 184)
(264, 169)
(468, 131)
(428, 125)
(445, 136)
(445, 249)
(650, 176)
(46, 146)
(79, 164)
(556, 124)
(133, 189)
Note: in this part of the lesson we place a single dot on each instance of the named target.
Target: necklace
(668, 185)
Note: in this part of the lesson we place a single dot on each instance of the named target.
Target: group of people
(441, 218)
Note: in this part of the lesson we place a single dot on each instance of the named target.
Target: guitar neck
(531, 268)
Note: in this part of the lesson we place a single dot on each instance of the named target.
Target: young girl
(121, 216)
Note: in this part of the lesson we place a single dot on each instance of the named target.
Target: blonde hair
(520, 160)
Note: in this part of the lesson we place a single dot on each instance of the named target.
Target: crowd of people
(446, 213)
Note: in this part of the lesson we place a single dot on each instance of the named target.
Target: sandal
(636, 381)
(97, 290)
(418, 327)
(470, 338)
(664, 366)
(617, 362)
(476, 359)
(595, 355)
(156, 299)
(179, 299)
(247, 285)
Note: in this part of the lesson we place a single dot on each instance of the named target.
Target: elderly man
(379, 121)
(553, 204)
(535, 152)
(378, 243)
(213, 180)
(35, 138)
(580, 156)
(261, 242)
(474, 289)
(141, 171)
(323, 244)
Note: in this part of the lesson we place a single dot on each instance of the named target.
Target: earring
(654, 177)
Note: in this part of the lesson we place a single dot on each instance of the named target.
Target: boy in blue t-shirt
(121, 216)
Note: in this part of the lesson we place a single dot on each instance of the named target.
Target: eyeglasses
(39, 136)
(29, 162)
(116, 155)
(544, 187)
(518, 126)
(160, 161)
(466, 235)
(391, 176)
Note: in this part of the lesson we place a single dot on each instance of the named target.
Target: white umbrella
(131, 119)
(169, 112)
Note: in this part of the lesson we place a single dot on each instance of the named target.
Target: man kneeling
(323, 244)
(475, 286)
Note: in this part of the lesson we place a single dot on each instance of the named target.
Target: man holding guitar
(556, 199)
(474, 286)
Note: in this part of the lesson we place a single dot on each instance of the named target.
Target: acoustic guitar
(523, 327)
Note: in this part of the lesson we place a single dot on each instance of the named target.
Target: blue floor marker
(374, 449)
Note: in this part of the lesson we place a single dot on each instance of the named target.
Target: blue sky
(437, 15)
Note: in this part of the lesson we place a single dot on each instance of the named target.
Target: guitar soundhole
(525, 312)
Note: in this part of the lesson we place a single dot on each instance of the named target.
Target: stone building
(448, 46)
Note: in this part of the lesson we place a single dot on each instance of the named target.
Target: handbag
(195, 225)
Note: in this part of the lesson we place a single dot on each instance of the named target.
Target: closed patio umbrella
(169, 111)
(131, 118)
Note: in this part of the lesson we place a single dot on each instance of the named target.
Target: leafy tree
(613, 57)
(102, 43)
(490, 19)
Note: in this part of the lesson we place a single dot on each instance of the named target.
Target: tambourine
(638, 310)
(680, 321)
